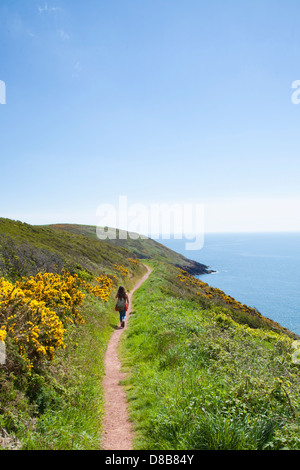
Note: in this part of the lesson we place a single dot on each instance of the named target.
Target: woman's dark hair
(121, 293)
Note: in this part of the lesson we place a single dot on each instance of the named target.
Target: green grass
(199, 380)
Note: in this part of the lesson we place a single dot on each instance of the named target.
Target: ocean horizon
(259, 269)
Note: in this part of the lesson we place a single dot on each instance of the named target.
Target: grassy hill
(27, 249)
(204, 370)
(142, 248)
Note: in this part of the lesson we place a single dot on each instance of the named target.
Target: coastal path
(117, 429)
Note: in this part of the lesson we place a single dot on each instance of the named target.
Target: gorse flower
(103, 288)
(35, 311)
(209, 292)
(2, 335)
(134, 261)
(121, 269)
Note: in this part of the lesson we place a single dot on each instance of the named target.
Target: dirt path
(117, 434)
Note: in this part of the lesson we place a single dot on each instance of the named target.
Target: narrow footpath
(117, 432)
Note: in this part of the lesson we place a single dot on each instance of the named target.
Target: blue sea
(261, 270)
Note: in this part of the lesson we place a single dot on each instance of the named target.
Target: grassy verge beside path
(200, 380)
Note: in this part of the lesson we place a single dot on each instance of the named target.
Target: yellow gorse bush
(104, 287)
(35, 311)
(134, 261)
(60, 291)
(209, 292)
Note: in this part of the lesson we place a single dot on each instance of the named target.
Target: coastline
(258, 269)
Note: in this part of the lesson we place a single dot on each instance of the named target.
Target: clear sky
(162, 101)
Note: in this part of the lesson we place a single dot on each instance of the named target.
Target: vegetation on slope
(142, 248)
(201, 378)
(26, 250)
(56, 325)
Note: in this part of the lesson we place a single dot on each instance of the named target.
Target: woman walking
(122, 304)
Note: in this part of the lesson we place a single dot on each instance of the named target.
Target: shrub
(35, 311)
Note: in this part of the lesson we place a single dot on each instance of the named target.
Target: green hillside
(142, 248)
(204, 371)
(203, 374)
(27, 250)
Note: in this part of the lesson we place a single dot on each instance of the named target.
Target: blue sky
(169, 101)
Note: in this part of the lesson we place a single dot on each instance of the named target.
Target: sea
(261, 270)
